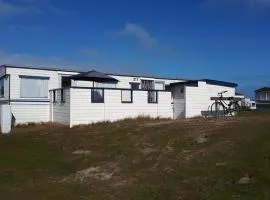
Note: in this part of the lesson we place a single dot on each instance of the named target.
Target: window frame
(131, 96)
(148, 97)
(93, 100)
(38, 78)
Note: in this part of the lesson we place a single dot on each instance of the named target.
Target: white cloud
(137, 31)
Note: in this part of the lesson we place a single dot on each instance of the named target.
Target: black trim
(30, 100)
(4, 100)
(186, 83)
(93, 100)
(35, 77)
(62, 96)
(131, 100)
(41, 68)
(149, 99)
(54, 96)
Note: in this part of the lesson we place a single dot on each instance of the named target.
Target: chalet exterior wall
(198, 98)
(190, 101)
(78, 109)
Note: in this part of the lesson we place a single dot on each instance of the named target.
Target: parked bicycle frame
(221, 107)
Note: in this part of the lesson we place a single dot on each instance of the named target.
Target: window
(34, 87)
(134, 86)
(147, 84)
(152, 97)
(66, 81)
(97, 95)
(159, 85)
(2, 88)
(126, 96)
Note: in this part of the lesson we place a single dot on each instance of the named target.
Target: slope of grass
(138, 159)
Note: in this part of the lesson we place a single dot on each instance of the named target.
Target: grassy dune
(139, 159)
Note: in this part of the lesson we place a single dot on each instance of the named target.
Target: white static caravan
(191, 98)
(26, 90)
(43, 95)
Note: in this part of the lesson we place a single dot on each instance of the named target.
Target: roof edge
(221, 83)
(263, 89)
(208, 81)
(79, 71)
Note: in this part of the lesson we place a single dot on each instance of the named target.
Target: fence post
(5, 119)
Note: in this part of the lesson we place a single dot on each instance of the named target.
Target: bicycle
(221, 107)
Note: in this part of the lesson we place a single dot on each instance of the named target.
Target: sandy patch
(99, 173)
(81, 152)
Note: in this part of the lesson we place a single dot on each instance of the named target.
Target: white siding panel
(198, 98)
(82, 110)
(35, 112)
(164, 105)
(85, 112)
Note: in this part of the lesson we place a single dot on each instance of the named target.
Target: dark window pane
(97, 96)
(148, 85)
(2, 91)
(152, 97)
(134, 86)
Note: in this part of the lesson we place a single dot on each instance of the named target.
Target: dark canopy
(94, 76)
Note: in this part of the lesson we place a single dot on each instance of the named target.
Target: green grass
(138, 159)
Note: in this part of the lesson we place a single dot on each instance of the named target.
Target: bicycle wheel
(217, 109)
